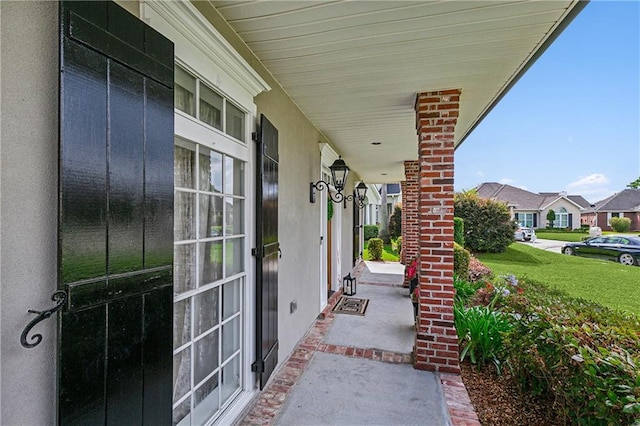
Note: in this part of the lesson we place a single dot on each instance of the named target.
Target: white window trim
(213, 56)
(201, 48)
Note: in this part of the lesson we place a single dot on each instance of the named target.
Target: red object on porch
(436, 345)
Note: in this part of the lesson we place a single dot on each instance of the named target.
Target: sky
(572, 122)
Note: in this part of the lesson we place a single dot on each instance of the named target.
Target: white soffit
(354, 67)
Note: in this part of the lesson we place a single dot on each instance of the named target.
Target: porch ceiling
(354, 67)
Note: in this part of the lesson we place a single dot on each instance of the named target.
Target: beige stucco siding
(28, 206)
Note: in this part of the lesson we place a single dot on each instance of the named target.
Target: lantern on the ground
(349, 285)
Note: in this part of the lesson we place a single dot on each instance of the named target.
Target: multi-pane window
(211, 107)
(209, 278)
(525, 219)
(562, 218)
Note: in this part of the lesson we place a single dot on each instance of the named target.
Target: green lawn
(572, 236)
(606, 282)
(561, 236)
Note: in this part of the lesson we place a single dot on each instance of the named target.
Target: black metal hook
(60, 297)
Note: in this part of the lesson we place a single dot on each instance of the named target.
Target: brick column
(410, 226)
(403, 218)
(436, 344)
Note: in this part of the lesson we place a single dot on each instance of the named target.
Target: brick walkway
(274, 396)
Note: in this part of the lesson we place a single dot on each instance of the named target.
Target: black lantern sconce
(339, 172)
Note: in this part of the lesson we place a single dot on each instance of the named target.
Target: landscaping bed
(534, 355)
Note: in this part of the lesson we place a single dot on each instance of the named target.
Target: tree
(383, 233)
(635, 184)
(551, 217)
(488, 226)
(395, 222)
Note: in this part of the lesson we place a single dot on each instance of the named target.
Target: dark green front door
(116, 218)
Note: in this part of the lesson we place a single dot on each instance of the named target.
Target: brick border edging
(461, 410)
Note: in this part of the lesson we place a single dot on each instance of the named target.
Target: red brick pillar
(403, 218)
(436, 345)
(411, 225)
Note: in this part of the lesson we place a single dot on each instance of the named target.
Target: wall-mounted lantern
(339, 172)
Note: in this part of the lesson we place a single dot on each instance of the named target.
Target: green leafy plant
(458, 230)
(480, 330)
(488, 226)
(620, 224)
(570, 348)
(329, 209)
(375, 248)
(465, 290)
(399, 244)
(461, 258)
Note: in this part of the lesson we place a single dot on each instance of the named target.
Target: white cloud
(594, 187)
(594, 179)
(506, 181)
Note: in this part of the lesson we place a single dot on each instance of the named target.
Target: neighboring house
(625, 203)
(531, 209)
(374, 202)
(159, 177)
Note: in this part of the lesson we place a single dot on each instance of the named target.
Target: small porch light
(349, 285)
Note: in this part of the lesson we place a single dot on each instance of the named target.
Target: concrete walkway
(357, 370)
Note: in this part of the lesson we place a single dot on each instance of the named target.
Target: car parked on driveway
(524, 233)
(619, 248)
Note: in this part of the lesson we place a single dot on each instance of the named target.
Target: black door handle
(60, 297)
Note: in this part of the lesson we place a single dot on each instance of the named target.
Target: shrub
(477, 270)
(399, 244)
(375, 248)
(570, 348)
(487, 224)
(551, 217)
(620, 224)
(395, 223)
(458, 230)
(461, 258)
(370, 231)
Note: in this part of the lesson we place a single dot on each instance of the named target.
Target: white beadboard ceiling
(354, 67)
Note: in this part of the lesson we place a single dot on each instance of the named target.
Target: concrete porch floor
(357, 370)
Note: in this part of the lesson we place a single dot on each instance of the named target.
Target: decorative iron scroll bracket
(60, 297)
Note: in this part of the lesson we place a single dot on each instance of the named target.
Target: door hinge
(255, 136)
(258, 367)
(257, 252)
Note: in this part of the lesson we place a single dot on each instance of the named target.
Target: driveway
(549, 245)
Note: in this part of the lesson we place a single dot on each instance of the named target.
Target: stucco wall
(28, 206)
(299, 220)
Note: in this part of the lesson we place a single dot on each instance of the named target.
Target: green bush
(551, 217)
(584, 355)
(488, 226)
(375, 248)
(395, 223)
(458, 230)
(461, 257)
(370, 231)
(399, 244)
(620, 224)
